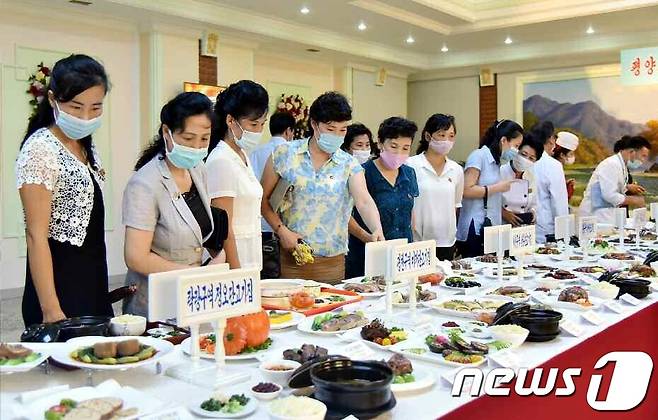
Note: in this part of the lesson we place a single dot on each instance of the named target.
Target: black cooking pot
(637, 288)
(542, 323)
(352, 385)
(66, 329)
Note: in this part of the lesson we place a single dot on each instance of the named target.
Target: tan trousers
(325, 269)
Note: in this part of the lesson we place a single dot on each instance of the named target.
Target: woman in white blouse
(440, 183)
(241, 112)
(59, 177)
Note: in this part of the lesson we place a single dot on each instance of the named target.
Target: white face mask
(249, 140)
(570, 160)
(361, 156)
(521, 163)
(75, 128)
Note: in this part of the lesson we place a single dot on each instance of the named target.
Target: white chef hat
(567, 140)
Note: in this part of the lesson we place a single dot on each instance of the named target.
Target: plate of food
(465, 267)
(642, 271)
(466, 307)
(405, 378)
(600, 246)
(379, 335)
(284, 319)
(401, 298)
(306, 297)
(573, 297)
(562, 275)
(460, 283)
(510, 293)
(332, 323)
(491, 259)
(619, 256)
(508, 273)
(540, 267)
(207, 347)
(591, 269)
(450, 350)
(222, 406)
(111, 353)
(19, 357)
(548, 250)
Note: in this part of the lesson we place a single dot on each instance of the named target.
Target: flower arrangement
(38, 86)
(297, 107)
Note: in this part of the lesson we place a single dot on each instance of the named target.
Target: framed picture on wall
(209, 90)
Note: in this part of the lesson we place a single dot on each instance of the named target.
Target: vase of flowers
(297, 107)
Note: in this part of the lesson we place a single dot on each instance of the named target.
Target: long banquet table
(633, 330)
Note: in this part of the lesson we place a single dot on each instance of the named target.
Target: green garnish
(499, 345)
(266, 345)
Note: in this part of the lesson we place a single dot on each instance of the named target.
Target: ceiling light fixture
(410, 39)
(305, 10)
(444, 48)
(589, 30)
(362, 26)
(508, 40)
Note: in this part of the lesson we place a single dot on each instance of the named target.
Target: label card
(497, 238)
(413, 260)
(571, 328)
(640, 218)
(586, 230)
(506, 358)
(614, 306)
(358, 350)
(654, 213)
(620, 218)
(592, 317)
(522, 240)
(377, 255)
(630, 299)
(565, 227)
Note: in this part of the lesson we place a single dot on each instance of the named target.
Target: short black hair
(496, 131)
(543, 131)
(393, 128)
(330, 106)
(435, 123)
(530, 139)
(280, 122)
(355, 130)
(622, 144)
(563, 151)
(639, 142)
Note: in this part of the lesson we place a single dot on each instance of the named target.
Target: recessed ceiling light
(410, 39)
(589, 30)
(362, 26)
(508, 40)
(305, 10)
(444, 48)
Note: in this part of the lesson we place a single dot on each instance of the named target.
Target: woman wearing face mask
(565, 152)
(59, 176)
(441, 185)
(325, 182)
(392, 185)
(519, 203)
(166, 209)
(240, 112)
(483, 187)
(358, 142)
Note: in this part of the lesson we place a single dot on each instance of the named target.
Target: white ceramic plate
(365, 295)
(307, 324)
(248, 409)
(428, 356)
(506, 298)
(435, 304)
(491, 273)
(132, 398)
(24, 367)
(424, 380)
(187, 349)
(552, 300)
(63, 354)
(355, 334)
(296, 319)
(469, 290)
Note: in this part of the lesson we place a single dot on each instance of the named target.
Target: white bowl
(125, 325)
(318, 413)
(279, 377)
(607, 293)
(510, 334)
(267, 396)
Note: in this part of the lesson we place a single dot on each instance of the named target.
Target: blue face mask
(329, 142)
(509, 154)
(184, 157)
(74, 127)
(634, 164)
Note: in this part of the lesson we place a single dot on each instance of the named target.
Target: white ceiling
(473, 30)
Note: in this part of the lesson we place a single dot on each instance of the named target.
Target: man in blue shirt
(282, 125)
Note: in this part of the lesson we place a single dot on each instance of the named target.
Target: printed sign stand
(640, 217)
(377, 263)
(522, 243)
(654, 216)
(497, 239)
(408, 262)
(620, 224)
(213, 298)
(586, 232)
(565, 228)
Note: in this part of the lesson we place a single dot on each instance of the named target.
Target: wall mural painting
(600, 110)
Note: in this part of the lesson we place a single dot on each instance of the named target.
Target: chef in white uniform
(519, 203)
(552, 198)
(608, 185)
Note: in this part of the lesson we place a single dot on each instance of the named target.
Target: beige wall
(458, 97)
(372, 104)
(234, 63)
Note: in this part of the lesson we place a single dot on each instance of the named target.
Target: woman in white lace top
(59, 177)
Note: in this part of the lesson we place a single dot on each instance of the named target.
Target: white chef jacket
(606, 189)
(521, 198)
(439, 197)
(552, 198)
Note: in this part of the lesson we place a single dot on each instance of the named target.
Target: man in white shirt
(552, 198)
(608, 186)
(282, 125)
